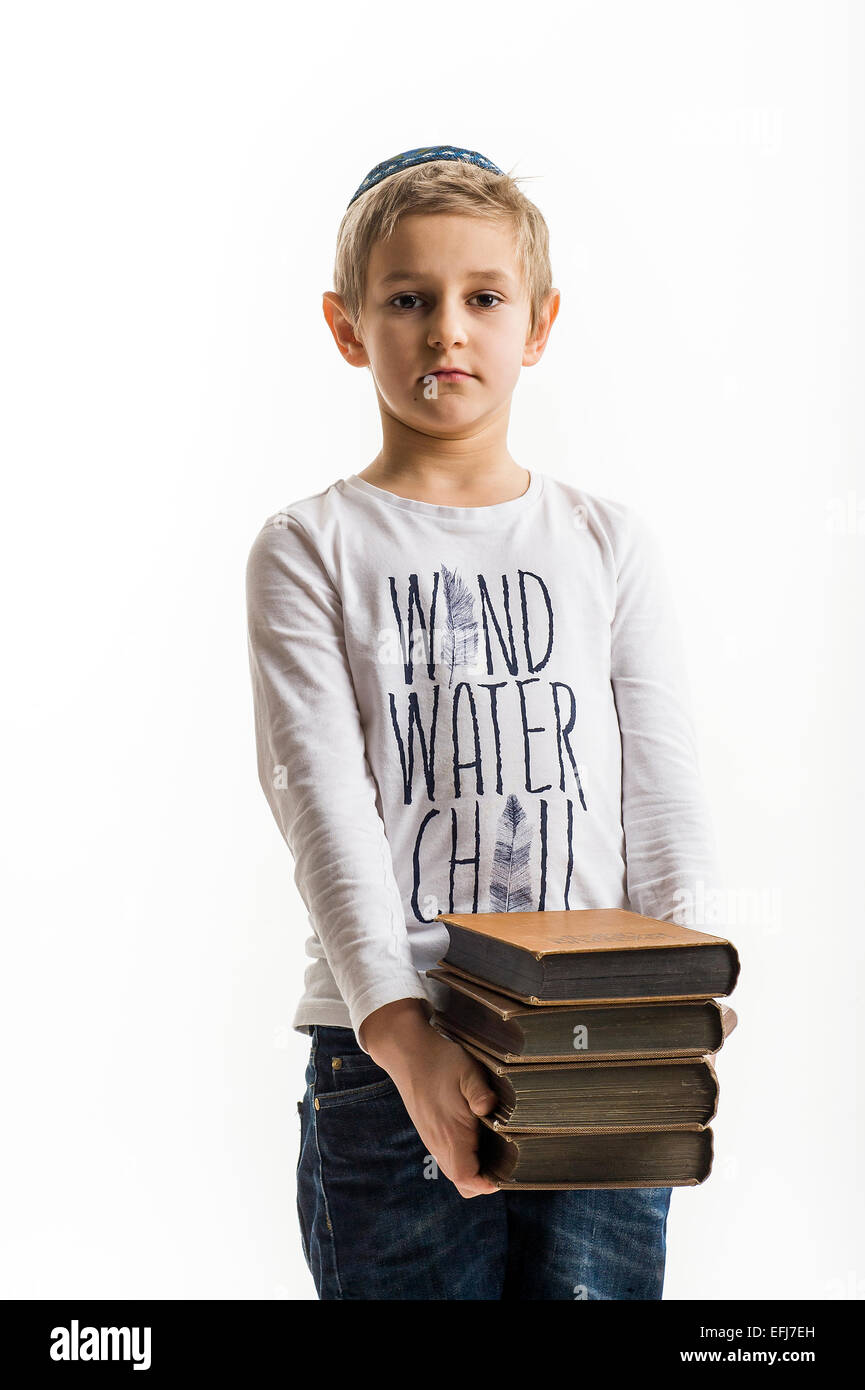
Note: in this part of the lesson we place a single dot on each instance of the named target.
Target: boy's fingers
(466, 1177)
(481, 1101)
(472, 1184)
(479, 1188)
(476, 1089)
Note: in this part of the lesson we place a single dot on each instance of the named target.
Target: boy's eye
(487, 294)
(482, 294)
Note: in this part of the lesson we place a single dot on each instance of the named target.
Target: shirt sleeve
(313, 768)
(672, 864)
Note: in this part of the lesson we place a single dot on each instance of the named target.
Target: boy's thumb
(479, 1096)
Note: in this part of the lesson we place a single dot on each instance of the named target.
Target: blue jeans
(378, 1221)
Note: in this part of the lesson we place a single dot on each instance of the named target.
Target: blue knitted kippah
(422, 156)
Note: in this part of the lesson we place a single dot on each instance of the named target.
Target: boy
(469, 696)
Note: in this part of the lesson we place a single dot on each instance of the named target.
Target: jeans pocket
(347, 1095)
(349, 1075)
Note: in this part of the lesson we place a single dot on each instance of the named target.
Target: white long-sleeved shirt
(467, 709)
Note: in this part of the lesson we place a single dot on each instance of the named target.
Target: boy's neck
(475, 472)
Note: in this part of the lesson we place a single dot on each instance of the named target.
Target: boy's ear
(535, 345)
(340, 326)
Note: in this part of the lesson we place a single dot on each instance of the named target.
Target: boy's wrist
(394, 1029)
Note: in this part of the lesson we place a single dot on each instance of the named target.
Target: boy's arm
(313, 768)
(669, 839)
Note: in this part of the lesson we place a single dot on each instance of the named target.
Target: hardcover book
(593, 955)
(657, 1158)
(679, 1092)
(517, 1032)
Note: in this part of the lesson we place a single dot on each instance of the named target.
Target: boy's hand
(443, 1088)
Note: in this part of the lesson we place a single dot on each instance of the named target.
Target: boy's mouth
(449, 374)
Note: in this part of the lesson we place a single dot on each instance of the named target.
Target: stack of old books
(597, 1029)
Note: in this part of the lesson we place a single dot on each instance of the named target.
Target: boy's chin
(442, 422)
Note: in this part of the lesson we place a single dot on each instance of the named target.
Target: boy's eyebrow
(493, 274)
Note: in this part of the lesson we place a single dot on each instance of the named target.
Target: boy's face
(445, 291)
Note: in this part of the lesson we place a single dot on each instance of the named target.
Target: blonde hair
(441, 186)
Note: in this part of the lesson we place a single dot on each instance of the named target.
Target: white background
(173, 178)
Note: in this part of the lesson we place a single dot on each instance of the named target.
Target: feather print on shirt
(460, 637)
(510, 879)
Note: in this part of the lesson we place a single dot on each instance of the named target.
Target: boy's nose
(446, 331)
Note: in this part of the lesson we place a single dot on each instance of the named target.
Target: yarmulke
(422, 156)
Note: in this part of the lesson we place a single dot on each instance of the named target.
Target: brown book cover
(645, 1093)
(517, 1032)
(659, 1158)
(592, 955)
